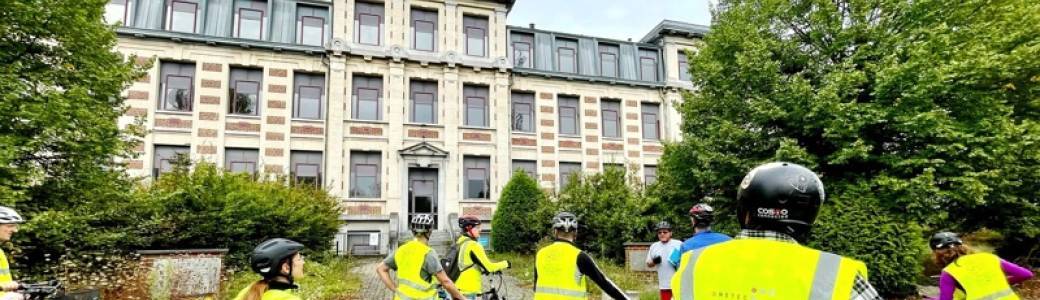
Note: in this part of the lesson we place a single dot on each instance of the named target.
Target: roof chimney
(531, 25)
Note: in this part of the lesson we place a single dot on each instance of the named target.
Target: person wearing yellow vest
(473, 261)
(968, 275)
(417, 266)
(9, 222)
(777, 204)
(279, 262)
(560, 269)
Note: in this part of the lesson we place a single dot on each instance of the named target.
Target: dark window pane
(651, 122)
(476, 177)
(308, 103)
(567, 169)
(528, 166)
(566, 60)
(312, 31)
(369, 26)
(250, 23)
(424, 35)
(475, 41)
(116, 12)
(684, 67)
(306, 167)
(650, 174)
(246, 98)
(367, 107)
(568, 108)
(177, 96)
(182, 16)
(365, 174)
(165, 156)
(422, 110)
(611, 118)
(522, 55)
(241, 160)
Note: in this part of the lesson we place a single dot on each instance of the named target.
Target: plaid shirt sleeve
(862, 290)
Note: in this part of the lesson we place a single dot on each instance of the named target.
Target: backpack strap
(462, 250)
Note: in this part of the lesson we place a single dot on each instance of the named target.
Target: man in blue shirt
(701, 215)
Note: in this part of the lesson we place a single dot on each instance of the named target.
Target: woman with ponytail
(970, 275)
(279, 262)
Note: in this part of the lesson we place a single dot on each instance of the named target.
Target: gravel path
(372, 288)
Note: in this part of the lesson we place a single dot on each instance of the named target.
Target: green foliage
(202, 208)
(208, 208)
(325, 278)
(860, 229)
(931, 106)
(610, 212)
(518, 222)
(60, 85)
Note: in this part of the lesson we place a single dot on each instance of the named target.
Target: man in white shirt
(658, 256)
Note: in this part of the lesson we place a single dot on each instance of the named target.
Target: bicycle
(495, 293)
(42, 290)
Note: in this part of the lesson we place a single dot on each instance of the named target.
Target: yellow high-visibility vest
(764, 269)
(558, 275)
(469, 282)
(981, 277)
(410, 284)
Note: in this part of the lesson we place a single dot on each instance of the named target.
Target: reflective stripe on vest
(558, 275)
(981, 277)
(410, 259)
(753, 268)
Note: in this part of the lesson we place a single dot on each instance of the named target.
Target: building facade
(395, 107)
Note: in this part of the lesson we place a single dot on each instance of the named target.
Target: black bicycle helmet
(780, 197)
(268, 257)
(664, 225)
(944, 240)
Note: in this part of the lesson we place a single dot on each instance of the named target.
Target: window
(651, 123)
(684, 66)
(241, 160)
(364, 174)
(367, 104)
(310, 96)
(305, 167)
(166, 157)
(475, 29)
(249, 19)
(477, 172)
(568, 169)
(118, 11)
(608, 60)
(475, 98)
(368, 23)
(567, 55)
(245, 91)
(648, 65)
(176, 86)
(311, 23)
(424, 29)
(613, 166)
(424, 102)
(528, 166)
(182, 16)
(568, 107)
(523, 112)
(649, 174)
(610, 112)
(522, 50)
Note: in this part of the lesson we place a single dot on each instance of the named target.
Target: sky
(616, 19)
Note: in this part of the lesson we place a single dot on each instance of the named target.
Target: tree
(60, 84)
(517, 223)
(611, 211)
(929, 106)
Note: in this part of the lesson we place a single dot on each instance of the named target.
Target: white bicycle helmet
(9, 216)
(422, 223)
(565, 221)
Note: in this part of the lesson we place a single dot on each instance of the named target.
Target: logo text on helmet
(772, 213)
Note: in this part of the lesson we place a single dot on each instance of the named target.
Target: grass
(326, 278)
(643, 282)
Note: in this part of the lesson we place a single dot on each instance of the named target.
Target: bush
(208, 208)
(610, 211)
(516, 223)
(855, 226)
